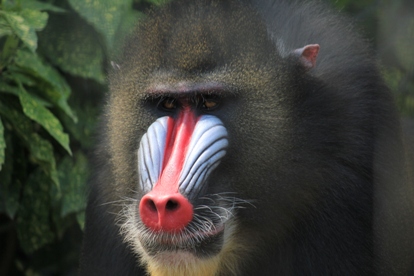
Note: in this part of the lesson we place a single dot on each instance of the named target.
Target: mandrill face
(181, 133)
(180, 224)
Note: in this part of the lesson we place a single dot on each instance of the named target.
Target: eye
(168, 103)
(209, 102)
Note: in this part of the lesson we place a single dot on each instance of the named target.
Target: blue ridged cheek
(207, 147)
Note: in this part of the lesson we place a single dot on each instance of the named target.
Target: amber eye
(168, 103)
(210, 102)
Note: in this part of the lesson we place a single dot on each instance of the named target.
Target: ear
(307, 55)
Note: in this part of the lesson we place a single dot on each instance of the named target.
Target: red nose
(169, 213)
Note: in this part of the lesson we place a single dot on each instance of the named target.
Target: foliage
(53, 60)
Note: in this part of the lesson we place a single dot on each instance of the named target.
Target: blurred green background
(54, 55)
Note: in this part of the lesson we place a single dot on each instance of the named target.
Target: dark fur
(317, 152)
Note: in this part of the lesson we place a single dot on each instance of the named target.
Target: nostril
(151, 205)
(171, 205)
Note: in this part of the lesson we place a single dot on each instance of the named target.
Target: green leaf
(36, 5)
(80, 217)
(25, 24)
(44, 117)
(83, 129)
(104, 15)
(73, 175)
(33, 224)
(36, 19)
(13, 90)
(9, 89)
(22, 29)
(42, 154)
(2, 144)
(6, 88)
(76, 50)
(20, 123)
(15, 74)
(8, 5)
(41, 150)
(57, 90)
(5, 28)
(10, 188)
(9, 51)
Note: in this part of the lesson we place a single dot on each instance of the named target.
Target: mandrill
(248, 138)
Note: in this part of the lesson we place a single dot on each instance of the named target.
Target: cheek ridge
(206, 146)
